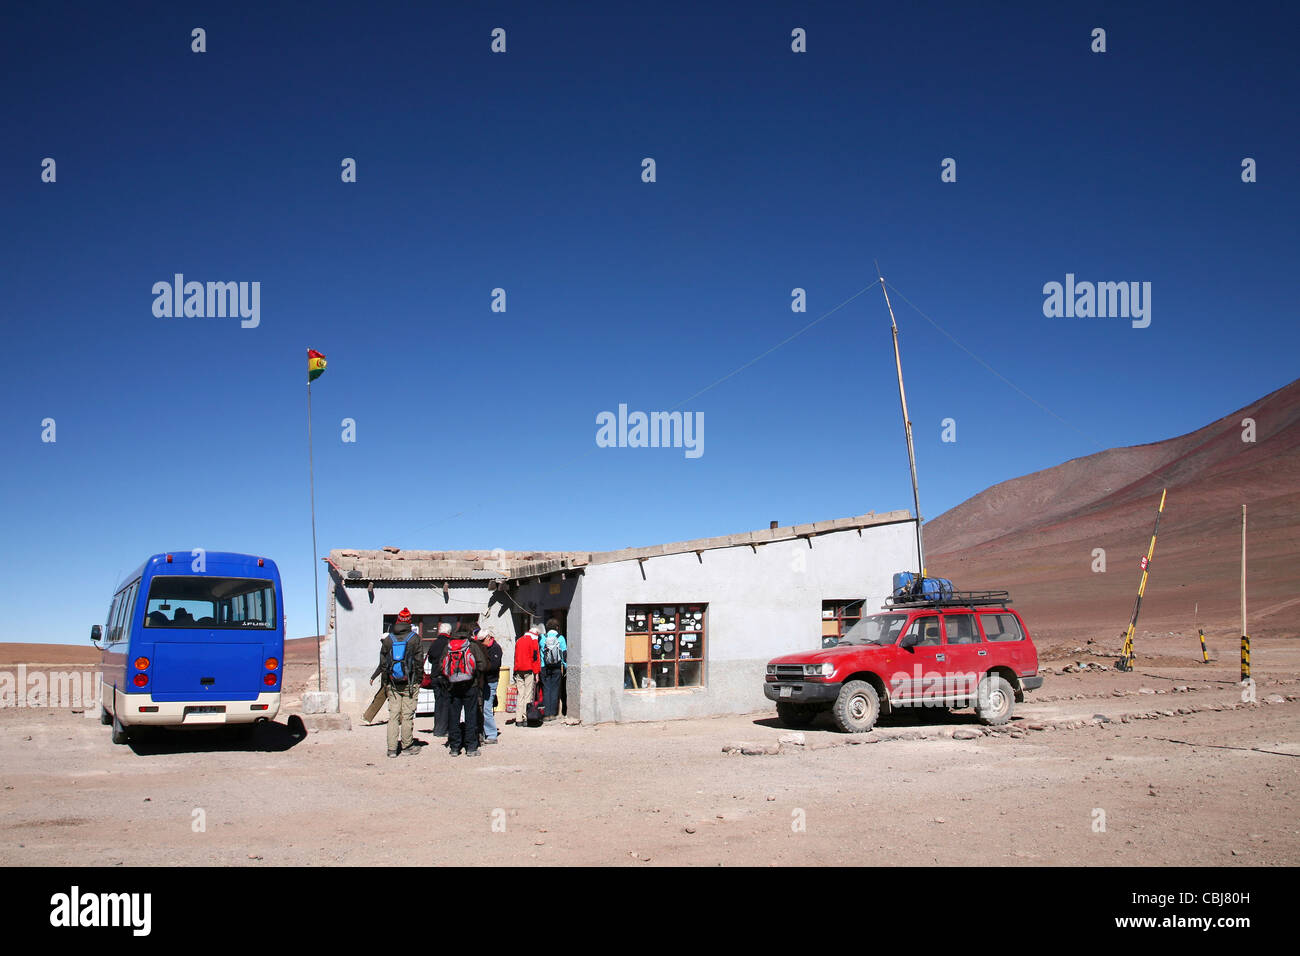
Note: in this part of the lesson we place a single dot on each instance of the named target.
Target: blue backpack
(398, 670)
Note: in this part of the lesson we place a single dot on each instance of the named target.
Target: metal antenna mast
(907, 424)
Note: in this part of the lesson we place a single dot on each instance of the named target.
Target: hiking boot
(392, 753)
(490, 740)
(411, 751)
(471, 753)
(454, 753)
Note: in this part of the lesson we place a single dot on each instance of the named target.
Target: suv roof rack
(957, 599)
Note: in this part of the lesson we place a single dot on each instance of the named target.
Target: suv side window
(1001, 627)
(927, 628)
(960, 629)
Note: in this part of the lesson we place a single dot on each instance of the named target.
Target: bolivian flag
(315, 365)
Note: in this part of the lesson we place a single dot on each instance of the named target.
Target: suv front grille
(789, 671)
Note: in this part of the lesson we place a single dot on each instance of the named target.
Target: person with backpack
(526, 668)
(401, 665)
(554, 653)
(492, 652)
(463, 665)
(440, 688)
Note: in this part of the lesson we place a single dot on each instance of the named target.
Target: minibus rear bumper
(193, 713)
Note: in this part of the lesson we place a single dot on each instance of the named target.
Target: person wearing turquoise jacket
(555, 658)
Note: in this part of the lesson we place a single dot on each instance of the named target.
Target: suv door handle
(982, 653)
(939, 657)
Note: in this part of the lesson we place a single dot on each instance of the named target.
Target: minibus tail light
(169, 559)
(269, 680)
(142, 663)
(140, 680)
(272, 663)
(260, 563)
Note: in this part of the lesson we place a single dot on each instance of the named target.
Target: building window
(426, 625)
(664, 646)
(837, 618)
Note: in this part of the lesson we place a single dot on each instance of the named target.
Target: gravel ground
(1170, 777)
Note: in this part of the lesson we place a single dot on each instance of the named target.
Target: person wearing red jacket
(527, 667)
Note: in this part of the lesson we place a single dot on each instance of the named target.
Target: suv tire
(995, 700)
(795, 715)
(857, 707)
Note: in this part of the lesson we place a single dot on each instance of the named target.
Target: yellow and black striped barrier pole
(1245, 638)
(1205, 655)
(1125, 662)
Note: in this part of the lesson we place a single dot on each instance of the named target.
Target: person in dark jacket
(492, 652)
(440, 686)
(464, 697)
(403, 690)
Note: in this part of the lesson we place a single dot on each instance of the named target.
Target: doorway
(561, 616)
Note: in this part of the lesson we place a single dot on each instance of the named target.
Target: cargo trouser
(525, 690)
(401, 714)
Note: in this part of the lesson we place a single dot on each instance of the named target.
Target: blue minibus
(193, 639)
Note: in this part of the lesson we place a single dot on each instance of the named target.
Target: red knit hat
(404, 617)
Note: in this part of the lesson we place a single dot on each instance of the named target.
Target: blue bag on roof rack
(931, 589)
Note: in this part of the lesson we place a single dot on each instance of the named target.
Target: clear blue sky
(522, 170)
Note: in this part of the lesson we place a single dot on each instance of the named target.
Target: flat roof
(394, 564)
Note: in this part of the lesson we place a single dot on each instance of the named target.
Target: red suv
(969, 650)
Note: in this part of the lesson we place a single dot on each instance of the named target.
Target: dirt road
(1166, 779)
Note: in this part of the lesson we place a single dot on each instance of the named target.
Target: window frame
(1020, 630)
(266, 584)
(917, 622)
(649, 662)
(843, 621)
(977, 632)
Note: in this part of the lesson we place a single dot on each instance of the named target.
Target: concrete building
(674, 630)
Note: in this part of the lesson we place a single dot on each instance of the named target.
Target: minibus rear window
(208, 602)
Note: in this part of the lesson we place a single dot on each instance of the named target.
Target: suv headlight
(828, 669)
(771, 668)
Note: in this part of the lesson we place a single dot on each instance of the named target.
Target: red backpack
(458, 664)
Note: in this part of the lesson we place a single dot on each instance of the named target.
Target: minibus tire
(120, 734)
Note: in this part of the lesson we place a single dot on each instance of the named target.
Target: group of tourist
(463, 672)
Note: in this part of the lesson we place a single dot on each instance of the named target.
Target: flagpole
(315, 577)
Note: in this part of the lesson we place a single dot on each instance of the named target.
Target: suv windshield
(210, 602)
(875, 629)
